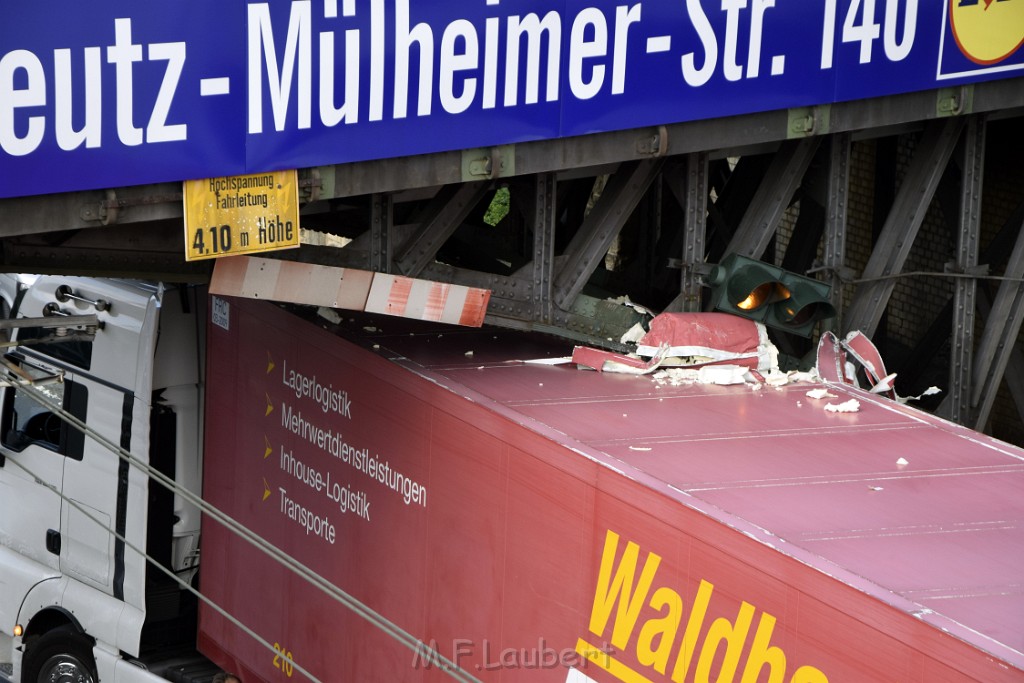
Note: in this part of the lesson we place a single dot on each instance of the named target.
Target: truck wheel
(61, 656)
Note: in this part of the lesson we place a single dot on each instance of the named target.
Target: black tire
(62, 655)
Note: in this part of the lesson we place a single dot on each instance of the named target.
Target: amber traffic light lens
(764, 294)
(768, 294)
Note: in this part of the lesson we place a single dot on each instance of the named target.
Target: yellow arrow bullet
(270, 406)
(266, 490)
(270, 449)
(270, 363)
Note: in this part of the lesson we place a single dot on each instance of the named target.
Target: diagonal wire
(181, 582)
(383, 623)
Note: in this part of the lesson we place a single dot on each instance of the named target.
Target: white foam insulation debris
(851, 406)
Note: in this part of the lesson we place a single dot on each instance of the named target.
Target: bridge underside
(912, 206)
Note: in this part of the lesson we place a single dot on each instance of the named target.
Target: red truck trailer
(538, 522)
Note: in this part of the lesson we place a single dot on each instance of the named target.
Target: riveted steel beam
(902, 224)
(90, 209)
(444, 215)
(690, 188)
(543, 264)
(621, 195)
(381, 224)
(836, 208)
(1014, 373)
(773, 196)
(962, 340)
(115, 251)
(997, 340)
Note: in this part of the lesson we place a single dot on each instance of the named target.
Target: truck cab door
(34, 445)
(107, 385)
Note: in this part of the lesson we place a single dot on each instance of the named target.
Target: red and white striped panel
(426, 300)
(304, 283)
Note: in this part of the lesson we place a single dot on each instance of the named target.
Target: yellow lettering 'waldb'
(624, 589)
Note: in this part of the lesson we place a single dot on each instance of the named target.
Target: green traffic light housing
(763, 292)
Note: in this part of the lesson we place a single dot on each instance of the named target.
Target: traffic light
(769, 294)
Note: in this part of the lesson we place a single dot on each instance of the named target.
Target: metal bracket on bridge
(807, 121)
(488, 162)
(654, 144)
(954, 101)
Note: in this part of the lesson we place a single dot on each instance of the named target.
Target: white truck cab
(75, 516)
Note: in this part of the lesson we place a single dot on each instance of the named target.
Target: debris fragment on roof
(608, 361)
(705, 338)
(692, 340)
(818, 394)
(723, 349)
(833, 365)
(851, 406)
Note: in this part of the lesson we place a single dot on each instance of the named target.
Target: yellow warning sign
(241, 214)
